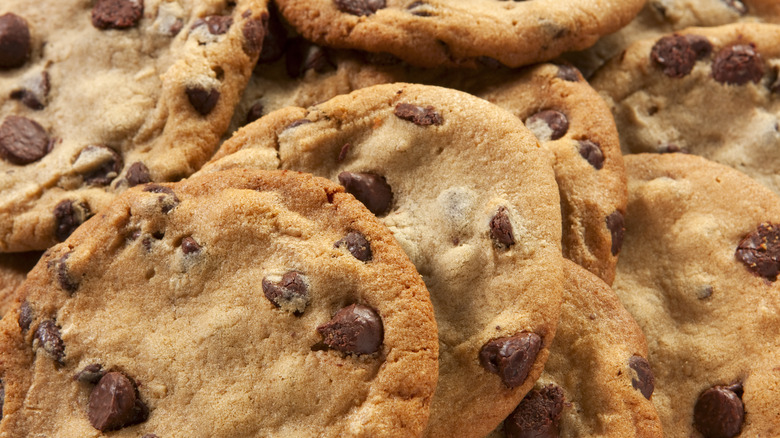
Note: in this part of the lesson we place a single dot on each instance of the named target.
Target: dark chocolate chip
(254, 113)
(254, 31)
(168, 200)
(23, 141)
(297, 123)
(354, 329)
(423, 116)
(738, 65)
(25, 316)
(15, 44)
(704, 292)
(548, 125)
(48, 334)
(35, 91)
(719, 413)
(760, 251)
(592, 153)
(700, 45)
(216, 24)
(616, 225)
(357, 245)
(68, 215)
(90, 374)
(189, 246)
(106, 169)
(645, 379)
(568, 73)
(674, 54)
(114, 403)
(303, 56)
(537, 416)
(501, 228)
(62, 273)
(137, 174)
(275, 38)
(737, 5)
(359, 7)
(201, 99)
(511, 357)
(291, 293)
(117, 14)
(370, 189)
(420, 9)
(343, 152)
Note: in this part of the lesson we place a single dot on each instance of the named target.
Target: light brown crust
(13, 270)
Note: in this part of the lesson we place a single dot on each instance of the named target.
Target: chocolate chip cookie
(245, 303)
(13, 270)
(699, 273)
(472, 199)
(432, 33)
(712, 92)
(99, 96)
(597, 381)
(567, 115)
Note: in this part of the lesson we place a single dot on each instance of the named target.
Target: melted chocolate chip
(117, 14)
(700, 45)
(90, 374)
(645, 379)
(354, 329)
(68, 215)
(760, 251)
(511, 357)
(568, 73)
(592, 153)
(422, 116)
(291, 293)
(674, 54)
(137, 174)
(114, 403)
(275, 38)
(501, 228)
(616, 225)
(108, 165)
(719, 412)
(548, 125)
(303, 56)
(537, 416)
(738, 65)
(216, 24)
(254, 113)
(35, 91)
(23, 141)
(202, 100)
(25, 316)
(359, 7)
(357, 245)
(254, 30)
(14, 41)
(62, 274)
(370, 189)
(189, 246)
(48, 334)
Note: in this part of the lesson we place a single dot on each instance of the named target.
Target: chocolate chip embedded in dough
(537, 415)
(114, 403)
(700, 45)
(68, 215)
(357, 245)
(719, 412)
(674, 54)
(274, 40)
(290, 293)
(422, 116)
(616, 226)
(137, 174)
(117, 14)
(592, 152)
(90, 374)
(297, 123)
(354, 329)
(23, 141)
(201, 99)
(359, 7)
(738, 65)
(104, 164)
(511, 357)
(645, 379)
(216, 24)
(15, 44)
(34, 92)
(759, 251)
(190, 246)
(48, 334)
(568, 73)
(501, 228)
(370, 189)
(302, 56)
(62, 273)
(254, 113)
(421, 9)
(168, 200)
(25, 316)
(254, 31)
(548, 125)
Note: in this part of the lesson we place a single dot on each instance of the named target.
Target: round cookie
(13, 270)
(596, 382)
(567, 115)
(435, 33)
(244, 303)
(659, 17)
(698, 271)
(432, 163)
(662, 89)
(103, 95)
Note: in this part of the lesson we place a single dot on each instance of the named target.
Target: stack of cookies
(389, 218)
